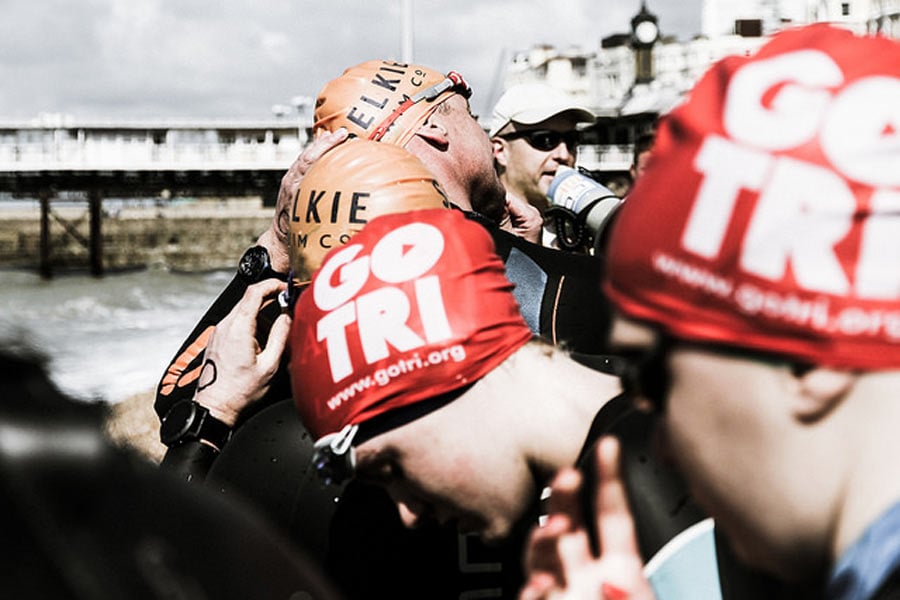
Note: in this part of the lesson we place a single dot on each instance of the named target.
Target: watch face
(646, 32)
(177, 422)
(253, 263)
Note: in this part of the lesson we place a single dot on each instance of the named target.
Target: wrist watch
(255, 265)
(189, 421)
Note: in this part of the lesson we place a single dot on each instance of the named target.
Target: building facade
(628, 104)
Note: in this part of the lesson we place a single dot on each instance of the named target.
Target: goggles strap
(453, 80)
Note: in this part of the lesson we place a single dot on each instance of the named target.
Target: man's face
(726, 425)
(450, 466)
(640, 165)
(463, 165)
(526, 170)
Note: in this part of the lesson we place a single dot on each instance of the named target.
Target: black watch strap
(189, 421)
(190, 461)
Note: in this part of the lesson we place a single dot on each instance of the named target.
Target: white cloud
(275, 45)
(236, 58)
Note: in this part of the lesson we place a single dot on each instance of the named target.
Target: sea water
(106, 337)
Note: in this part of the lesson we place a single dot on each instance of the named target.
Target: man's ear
(499, 148)
(435, 134)
(818, 391)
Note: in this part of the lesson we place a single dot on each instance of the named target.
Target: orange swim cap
(384, 100)
(348, 187)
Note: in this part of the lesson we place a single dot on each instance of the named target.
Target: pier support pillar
(46, 269)
(95, 203)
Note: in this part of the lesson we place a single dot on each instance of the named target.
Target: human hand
(558, 559)
(236, 372)
(277, 234)
(522, 219)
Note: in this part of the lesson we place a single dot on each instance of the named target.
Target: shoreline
(200, 236)
(132, 424)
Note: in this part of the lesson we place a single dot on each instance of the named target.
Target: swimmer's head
(348, 187)
(411, 312)
(384, 100)
(762, 220)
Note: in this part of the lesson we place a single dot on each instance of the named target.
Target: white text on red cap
(778, 105)
(381, 315)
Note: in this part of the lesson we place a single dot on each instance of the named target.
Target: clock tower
(644, 33)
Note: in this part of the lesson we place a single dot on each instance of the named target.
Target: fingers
(615, 524)
(522, 210)
(242, 371)
(270, 357)
(239, 326)
(565, 498)
(575, 551)
(290, 182)
(526, 220)
(544, 551)
(541, 555)
(537, 587)
(323, 142)
(559, 560)
(251, 302)
(573, 546)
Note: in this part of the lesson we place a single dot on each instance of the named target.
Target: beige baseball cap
(531, 103)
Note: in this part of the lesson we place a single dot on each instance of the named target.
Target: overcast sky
(236, 58)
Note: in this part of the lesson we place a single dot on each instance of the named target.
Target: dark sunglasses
(334, 458)
(646, 373)
(544, 139)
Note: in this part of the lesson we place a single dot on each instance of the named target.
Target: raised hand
(559, 562)
(236, 371)
(522, 219)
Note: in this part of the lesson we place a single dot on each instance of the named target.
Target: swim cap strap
(453, 80)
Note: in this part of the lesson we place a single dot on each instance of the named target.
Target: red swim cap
(769, 217)
(416, 305)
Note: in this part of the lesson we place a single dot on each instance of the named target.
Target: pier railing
(136, 148)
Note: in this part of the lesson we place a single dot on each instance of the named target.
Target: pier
(63, 162)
